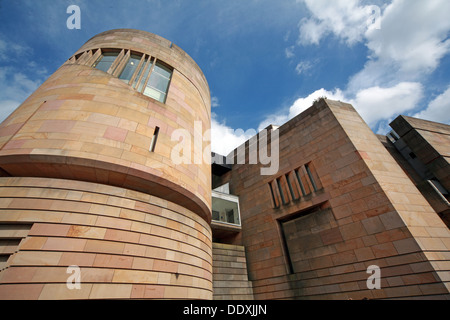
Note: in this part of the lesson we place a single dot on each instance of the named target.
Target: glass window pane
(225, 210)
(155, 94)
(162, 70)
(106, 60)
(144, 77)
(130, 67)
(158, 83)
(140, 72)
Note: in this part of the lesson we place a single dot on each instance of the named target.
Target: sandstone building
(345, 199)
(88, 180)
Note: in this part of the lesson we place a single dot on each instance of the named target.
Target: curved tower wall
(82, 173)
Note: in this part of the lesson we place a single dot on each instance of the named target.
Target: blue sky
(265, 60)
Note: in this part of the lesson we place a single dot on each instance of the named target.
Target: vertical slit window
(105, 61)
(280, 189)
(291, 189)
(130, 68)
(154, 139)
(300, 183)
(158, 83)
(273, 195)
(308, 171)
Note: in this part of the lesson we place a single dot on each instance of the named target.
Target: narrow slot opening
(154, 139)
(283, 198)
(308, 171)
(300, 183)
(291, 189)
(273, 195)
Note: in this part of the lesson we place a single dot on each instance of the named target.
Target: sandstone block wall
(230, 277)
(362, 211)
(78, 172)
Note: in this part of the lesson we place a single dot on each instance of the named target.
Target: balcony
(226, 219)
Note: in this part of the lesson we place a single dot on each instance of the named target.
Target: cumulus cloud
(409, 44)
(438, 110)
(410, 40)
(375, 103)
(225, 139)
(346, 19)
(299, 105)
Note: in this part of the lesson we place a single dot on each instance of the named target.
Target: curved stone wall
(83, 183)
(86, 124)
(127, 244)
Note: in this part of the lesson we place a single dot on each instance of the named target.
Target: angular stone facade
(339, 204)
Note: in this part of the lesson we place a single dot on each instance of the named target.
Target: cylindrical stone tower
(92, 204)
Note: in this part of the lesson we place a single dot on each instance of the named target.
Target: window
(299, 179)
(308, 171)
(216, 215)
(230, 216)
(158, 83)
(130, 68)
(291, 189)
(274, 200)
(105, 61)
(280, 189)
(141, 71)
(225, 208)
(147, 67)
(295, 185)
(139, 75)
(154, 139)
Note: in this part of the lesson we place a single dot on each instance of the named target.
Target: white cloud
(411, 40)
(300, 105)
(289, 52)
(8, 50)
(409, 45)
(438, 110)
(344, 18)
(375, 103)
(215, 102)
(225, 139)
(303, 66)
(413, 34)
(15, 85)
